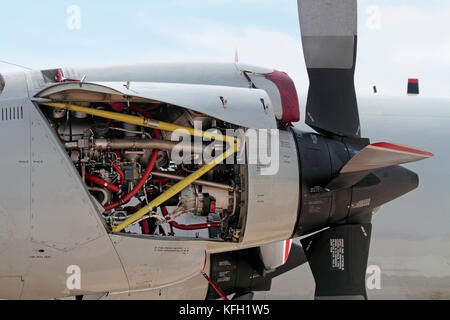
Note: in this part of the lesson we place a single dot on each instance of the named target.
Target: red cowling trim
(413, 80)
(61, 78)
(288, 93)
(287, 249)
(212, 283)
(215, 287)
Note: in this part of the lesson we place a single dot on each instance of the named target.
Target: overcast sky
(398, 39)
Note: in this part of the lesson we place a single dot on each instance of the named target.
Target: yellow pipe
(149, 123)
(177, 188)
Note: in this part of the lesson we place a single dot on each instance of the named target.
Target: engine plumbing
(125, 156)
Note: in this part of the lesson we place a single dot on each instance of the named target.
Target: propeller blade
(338, 260)
(329, 37)
(373, 157)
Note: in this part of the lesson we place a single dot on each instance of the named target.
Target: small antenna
(14, 64)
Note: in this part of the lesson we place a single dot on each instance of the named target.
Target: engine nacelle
(321, 160)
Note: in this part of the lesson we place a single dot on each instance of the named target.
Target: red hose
(119, 158)
(102, 183)
(194, 226)
(215, 287)
(120, 172)
(163, 181)
(212, 283)
(138, 186)
(191, 226)
(146, 174)
(165, 213)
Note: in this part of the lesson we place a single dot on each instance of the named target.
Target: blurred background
(398, 39)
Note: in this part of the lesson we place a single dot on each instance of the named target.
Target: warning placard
(337, 254)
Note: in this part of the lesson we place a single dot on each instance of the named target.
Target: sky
(397, 39)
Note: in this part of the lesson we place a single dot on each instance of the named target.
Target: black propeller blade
(373, 157)
(338, 260)
(329, 44)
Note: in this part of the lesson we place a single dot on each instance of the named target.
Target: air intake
(12, 113)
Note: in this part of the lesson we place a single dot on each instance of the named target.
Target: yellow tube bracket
(233, 142)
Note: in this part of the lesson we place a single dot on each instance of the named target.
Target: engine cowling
(321, 161)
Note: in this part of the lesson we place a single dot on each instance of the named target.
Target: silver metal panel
(65, 227)
(261, 82)
(34, 270)
(243, 107)
(273, 199)
(195, 288)
(100, 270)
(273, 254)
(154, 264)
(14, 187)
(221, 74)
(15, 86)
(11, 288)
(254, 69)
(36, 81)
(63, 215)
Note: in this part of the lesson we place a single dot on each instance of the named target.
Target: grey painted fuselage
(411, 244)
